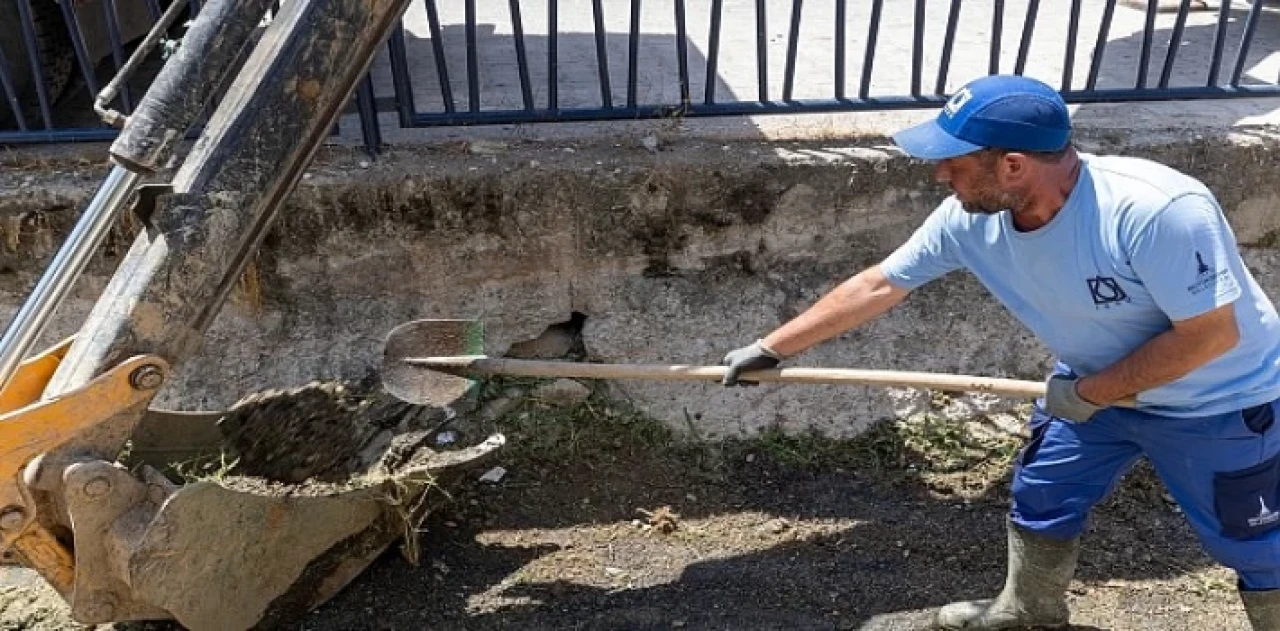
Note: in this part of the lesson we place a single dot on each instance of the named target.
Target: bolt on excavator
(118, 537)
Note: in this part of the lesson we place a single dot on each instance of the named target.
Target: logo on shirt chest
(1106, 292)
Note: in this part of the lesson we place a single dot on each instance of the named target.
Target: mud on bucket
(304, 488)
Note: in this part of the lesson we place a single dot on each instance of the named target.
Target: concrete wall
(673, 256)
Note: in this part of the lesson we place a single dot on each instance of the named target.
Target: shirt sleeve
(930, 253)
(1185, 257)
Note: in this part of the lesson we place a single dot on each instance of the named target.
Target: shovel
(429, 362)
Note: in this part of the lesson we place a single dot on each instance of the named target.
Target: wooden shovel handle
(481, 364)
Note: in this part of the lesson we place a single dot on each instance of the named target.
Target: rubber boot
(1034, 595)
(1263, 608)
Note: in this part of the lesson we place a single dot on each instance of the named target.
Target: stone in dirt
(494, 475)
(499, 408)
(663, 519)
(486, 147)
(556, 342)
(562, 392)
(775, 526)
(650, 142)
(36, 608)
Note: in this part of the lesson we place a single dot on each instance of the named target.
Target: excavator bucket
(302, 490)
(241, 519)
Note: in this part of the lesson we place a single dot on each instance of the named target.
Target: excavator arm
(129, 544)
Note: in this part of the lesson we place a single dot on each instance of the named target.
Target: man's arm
(1191, 343)
(853, 302)
(861, 298)
(1185, 256)
(928, 254)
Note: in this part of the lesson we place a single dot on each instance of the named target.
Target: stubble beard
(992, 201)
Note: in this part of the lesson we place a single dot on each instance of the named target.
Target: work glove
(756, 356)
(1063, 401)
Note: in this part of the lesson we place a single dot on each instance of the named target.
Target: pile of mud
(320, 438)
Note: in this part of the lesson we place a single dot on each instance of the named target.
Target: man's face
(976, 181)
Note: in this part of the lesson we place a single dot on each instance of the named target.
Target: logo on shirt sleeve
(1106, 291)
(1221, 281)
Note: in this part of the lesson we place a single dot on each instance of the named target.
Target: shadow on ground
(775, 533)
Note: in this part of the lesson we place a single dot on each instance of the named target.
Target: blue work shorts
(1222, 470)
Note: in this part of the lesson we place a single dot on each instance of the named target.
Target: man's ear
(1013, 166)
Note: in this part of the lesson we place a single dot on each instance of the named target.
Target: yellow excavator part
(30, 427)
(33, 374)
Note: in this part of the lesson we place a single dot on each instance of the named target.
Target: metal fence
(68, 50)
(459, 62)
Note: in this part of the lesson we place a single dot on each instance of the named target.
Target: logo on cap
(957, 101)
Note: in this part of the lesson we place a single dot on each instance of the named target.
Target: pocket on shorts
(1259, 418)
(1247, 501)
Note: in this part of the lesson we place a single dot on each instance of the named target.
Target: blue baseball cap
(998, 111)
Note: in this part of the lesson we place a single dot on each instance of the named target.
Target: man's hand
(756, 356)
(1062, 400)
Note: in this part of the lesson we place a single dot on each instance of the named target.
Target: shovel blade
(429, 338)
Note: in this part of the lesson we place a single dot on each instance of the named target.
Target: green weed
(602, 429)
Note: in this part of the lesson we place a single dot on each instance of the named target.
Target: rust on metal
(39, 550)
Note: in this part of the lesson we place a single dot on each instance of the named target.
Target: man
(1128, 271)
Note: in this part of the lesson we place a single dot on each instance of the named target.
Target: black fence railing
(56, 56)
(460, 62)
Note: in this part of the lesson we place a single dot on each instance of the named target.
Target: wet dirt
(320, 438)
